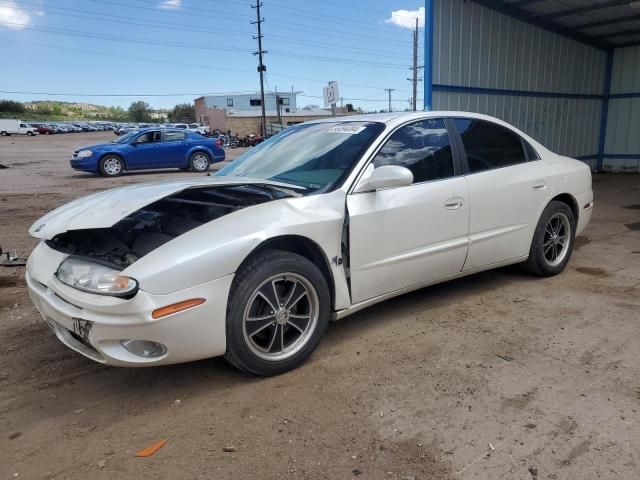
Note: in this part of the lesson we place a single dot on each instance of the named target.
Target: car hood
(98, 145)
(104, 209)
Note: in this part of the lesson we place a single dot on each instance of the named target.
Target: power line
(336, 21)
(68, 94)
(181, 64)
(166, 43)
(189, 28)
(385, 100)
(289, 25)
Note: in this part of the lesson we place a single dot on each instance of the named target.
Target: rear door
(405, 236)
(508, 188)
(174, 148)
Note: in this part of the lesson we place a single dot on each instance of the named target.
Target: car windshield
(315, 156)
(127, 137)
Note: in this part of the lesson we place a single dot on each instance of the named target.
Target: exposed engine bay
(152, 226)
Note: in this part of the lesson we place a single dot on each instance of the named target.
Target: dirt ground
(495, 376)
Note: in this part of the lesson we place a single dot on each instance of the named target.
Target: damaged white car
(316, 223)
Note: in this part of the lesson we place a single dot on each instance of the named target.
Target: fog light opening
(144, 348)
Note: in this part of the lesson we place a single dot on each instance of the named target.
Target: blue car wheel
(111, 166)
(199, 162)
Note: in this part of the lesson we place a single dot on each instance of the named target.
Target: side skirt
(340, 314)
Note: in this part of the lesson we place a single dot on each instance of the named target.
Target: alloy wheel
(557, 236)
(112, 166)
(280, 316)
(200, 162)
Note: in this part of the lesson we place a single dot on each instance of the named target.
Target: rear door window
(174, 136)
(489, 145)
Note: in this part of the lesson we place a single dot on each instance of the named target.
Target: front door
(144, 151)
(405, 236)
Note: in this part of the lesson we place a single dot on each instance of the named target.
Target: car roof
(166, 129)
(401, 117)
(394, 119)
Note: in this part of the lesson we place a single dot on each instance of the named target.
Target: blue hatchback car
(149, 148)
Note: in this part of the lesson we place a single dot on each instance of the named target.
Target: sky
(114, 52)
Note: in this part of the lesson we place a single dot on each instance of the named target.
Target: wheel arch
(302, 246)
(570, 201)
(199, 149)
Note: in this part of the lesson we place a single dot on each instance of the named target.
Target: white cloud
(12, 17)
(407, 18)
(171, 5)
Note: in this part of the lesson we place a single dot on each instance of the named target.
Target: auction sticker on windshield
(350, 129)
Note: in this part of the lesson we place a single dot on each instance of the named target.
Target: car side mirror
(386, 176)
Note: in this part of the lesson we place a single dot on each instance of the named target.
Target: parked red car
(43, 129)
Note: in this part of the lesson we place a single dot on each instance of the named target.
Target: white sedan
(320, 221)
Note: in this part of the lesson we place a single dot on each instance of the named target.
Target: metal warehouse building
(567, 72)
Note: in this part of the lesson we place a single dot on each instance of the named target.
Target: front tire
(553, 240)
(111, 166)
(30, 134)
(278, 311)
(199, 162)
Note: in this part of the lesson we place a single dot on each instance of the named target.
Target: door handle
(541, 185)
(454, 203)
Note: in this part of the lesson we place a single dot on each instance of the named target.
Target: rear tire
(553, 240)
(199, 162)
(273, 332)
(111, 166)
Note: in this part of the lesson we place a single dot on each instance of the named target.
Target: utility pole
(414, 78)
(415, 67)
(261, 66)
(390, 90)
(278, 106)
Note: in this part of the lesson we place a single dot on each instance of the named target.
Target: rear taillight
(218, 143)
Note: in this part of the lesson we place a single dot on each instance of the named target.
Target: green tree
(183, 112)
(140, 112)
(11, 106)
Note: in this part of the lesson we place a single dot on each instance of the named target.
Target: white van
(9, 126)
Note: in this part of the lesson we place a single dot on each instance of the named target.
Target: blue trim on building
(622, 156)
(585, 9)
(587, 157)
(513, 93)
(604, 113)
(613, 96)
(428, 54)
(530, 18)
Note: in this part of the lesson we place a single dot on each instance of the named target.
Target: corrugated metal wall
(623, 124)
(477, 47)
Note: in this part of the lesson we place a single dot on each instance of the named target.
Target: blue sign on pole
(428, 55)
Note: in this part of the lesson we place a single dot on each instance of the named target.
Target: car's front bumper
(85, 164)
(94, 325)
